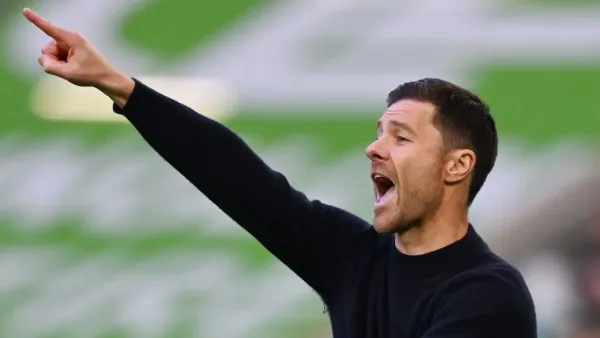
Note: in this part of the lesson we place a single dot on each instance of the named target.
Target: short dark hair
(463, 119)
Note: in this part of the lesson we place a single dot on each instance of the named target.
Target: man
(420, 270)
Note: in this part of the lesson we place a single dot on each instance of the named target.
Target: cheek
(418, 172)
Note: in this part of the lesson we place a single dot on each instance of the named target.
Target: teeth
(378, 176)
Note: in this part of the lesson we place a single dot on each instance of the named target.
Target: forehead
(416, 114)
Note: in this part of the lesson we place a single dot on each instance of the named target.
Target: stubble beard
(421, 203)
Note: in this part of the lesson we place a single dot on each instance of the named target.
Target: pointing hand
(71, 57)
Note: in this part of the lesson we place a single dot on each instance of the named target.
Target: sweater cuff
(136, 99)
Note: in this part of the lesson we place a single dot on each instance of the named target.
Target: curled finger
(50, 48)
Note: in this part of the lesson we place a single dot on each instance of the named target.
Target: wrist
(117, 86)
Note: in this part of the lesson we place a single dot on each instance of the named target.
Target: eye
(400, 139)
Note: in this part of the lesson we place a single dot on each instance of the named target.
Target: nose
(376, 151)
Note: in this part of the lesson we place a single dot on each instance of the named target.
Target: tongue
(387, 194)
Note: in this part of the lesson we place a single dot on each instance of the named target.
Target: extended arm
(313, 239)
(310, 237)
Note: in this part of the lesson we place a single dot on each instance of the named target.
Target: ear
(459, 164)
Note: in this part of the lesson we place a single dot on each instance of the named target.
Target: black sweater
(370, 288)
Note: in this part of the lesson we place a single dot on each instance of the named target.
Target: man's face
(407, 166)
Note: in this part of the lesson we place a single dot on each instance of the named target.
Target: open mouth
(384, 187)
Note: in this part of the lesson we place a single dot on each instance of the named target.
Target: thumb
(52, 65)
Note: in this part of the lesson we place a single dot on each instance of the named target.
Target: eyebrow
(399, 125)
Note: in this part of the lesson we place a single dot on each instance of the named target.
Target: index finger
(53, 31)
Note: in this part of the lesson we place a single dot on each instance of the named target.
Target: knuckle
(79, 36)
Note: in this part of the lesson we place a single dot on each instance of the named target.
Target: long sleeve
(310, 237)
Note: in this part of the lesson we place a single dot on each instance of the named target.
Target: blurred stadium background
(100, 238)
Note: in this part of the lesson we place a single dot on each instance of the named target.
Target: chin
(384, 226)
(383, 230)
(387, 224)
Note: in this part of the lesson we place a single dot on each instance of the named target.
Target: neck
(447, 225)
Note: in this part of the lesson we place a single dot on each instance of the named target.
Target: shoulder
(492, 293)
(497, 275)
(489, 301)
